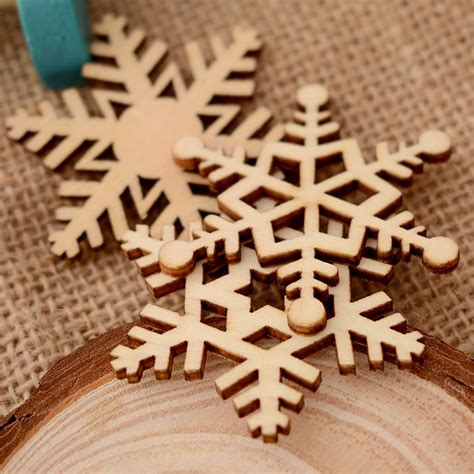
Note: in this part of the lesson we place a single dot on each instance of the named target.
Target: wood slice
(81, 418)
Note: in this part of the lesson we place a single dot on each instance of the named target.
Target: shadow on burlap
(393, 69)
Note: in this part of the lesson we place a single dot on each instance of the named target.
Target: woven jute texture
(393, 70)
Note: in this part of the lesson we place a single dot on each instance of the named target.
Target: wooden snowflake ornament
(134, 147)
(288, 217)
(257, 381)
(297, 178)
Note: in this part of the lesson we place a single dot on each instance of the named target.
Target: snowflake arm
(103, 197)
(352, 323)
(73, 130)
(214, 80)
(243, 134)
(369, 321)
(130, 70)
(265, 367)
(154, 352)
(264, 400)
(100, 197)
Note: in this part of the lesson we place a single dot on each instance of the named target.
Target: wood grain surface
(81, 419)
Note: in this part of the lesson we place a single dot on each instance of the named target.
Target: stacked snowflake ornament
(301, 199)
(307, 213)
(144, 107)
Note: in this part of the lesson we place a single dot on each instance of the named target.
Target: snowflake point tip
(312, 95)
(440, 255)
(176, 258)
(306, 315)
(436, 145)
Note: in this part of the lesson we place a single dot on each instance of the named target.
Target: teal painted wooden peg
(57, 35)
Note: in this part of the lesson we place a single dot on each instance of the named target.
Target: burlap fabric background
(393, 69)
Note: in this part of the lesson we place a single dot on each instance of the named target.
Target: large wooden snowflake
(297, 177)
(289, 217)
(257, 379)
(133, 146)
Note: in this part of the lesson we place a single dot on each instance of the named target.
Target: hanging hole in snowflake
(267, 338)
(353, 192)
(264, 198)
(327, 167)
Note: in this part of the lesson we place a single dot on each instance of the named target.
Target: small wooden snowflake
(132, 144)
(298, 179)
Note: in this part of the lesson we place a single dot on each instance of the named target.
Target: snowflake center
(147, 132)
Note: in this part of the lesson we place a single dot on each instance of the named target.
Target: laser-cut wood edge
(89, 367)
